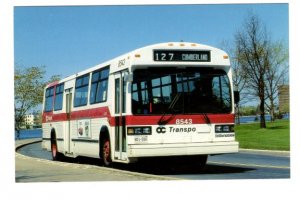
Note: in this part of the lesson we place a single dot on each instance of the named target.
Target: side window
(49, 99)
(99, 86)
(81, 90)
(59, 97)
(221, 91)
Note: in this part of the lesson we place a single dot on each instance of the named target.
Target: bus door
(120, 110)
(68, 106)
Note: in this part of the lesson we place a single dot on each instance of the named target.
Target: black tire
(56, 156)
(106, 153)
(198, 161)
(54, 150)
(201, 161)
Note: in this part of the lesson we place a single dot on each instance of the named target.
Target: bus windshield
(188, 91)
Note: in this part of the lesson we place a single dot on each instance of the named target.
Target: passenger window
(81, 90)
(49, 99)
(99, 86)
(59, 97)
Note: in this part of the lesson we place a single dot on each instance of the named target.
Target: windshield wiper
(171, 107)
(173, 103)
(206, 118)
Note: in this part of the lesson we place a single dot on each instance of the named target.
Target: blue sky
(70, 39)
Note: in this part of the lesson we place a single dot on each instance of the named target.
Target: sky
(69, 39)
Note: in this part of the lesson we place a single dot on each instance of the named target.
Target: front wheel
(201, 161)
(198, 161)
(106, 153)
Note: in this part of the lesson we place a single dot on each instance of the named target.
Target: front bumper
(183, 149)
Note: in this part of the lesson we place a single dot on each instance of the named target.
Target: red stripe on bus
(50, 117)
(103, 112)
(89, 113)
(171, 119)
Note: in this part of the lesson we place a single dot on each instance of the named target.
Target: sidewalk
(30, 169)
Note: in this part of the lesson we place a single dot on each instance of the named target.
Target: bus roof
(144, 56)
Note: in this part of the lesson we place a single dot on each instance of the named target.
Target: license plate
(141, 139)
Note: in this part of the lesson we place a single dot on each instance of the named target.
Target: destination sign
(181, 55)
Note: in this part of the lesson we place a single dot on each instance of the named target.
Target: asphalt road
(242, 165)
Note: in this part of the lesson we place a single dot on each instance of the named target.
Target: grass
(275, 137)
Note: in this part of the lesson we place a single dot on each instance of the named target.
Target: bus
(165, 100)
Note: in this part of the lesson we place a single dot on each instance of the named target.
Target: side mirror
(236, 95)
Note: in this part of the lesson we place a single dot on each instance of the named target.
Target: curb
(267, 152)
(21, 143)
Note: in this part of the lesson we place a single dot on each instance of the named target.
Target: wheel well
(104, 134)
(53, 135)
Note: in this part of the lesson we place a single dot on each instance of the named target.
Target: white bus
(169, 99)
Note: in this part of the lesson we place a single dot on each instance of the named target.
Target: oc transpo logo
(161, 130)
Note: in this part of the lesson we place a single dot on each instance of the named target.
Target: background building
(29, 120)
(284, 98)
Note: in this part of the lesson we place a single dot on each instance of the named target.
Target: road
(242, 165)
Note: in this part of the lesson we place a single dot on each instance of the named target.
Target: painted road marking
(249, 165)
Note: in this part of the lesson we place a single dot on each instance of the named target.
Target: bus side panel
(46, 136)
(59, 129)
(87, 146)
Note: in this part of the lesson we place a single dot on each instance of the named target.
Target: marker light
(130, 131)
(225, 56)
(137, 55)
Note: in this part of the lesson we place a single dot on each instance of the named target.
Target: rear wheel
(54, 151)
(106, 153)
(56, 156)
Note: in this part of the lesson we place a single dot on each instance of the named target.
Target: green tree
(263, 64)
(253, 53)
(276, 75)
(29, 89)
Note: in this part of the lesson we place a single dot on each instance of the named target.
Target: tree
(275, 75)
(253, 51)
(239, 83)
(29, 90)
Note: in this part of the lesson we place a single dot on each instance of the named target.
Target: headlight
(224, 128)
(139, 130)
(218, 128)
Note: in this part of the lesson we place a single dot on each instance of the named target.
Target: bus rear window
(49, 99)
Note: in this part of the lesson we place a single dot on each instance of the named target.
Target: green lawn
(275, 137)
